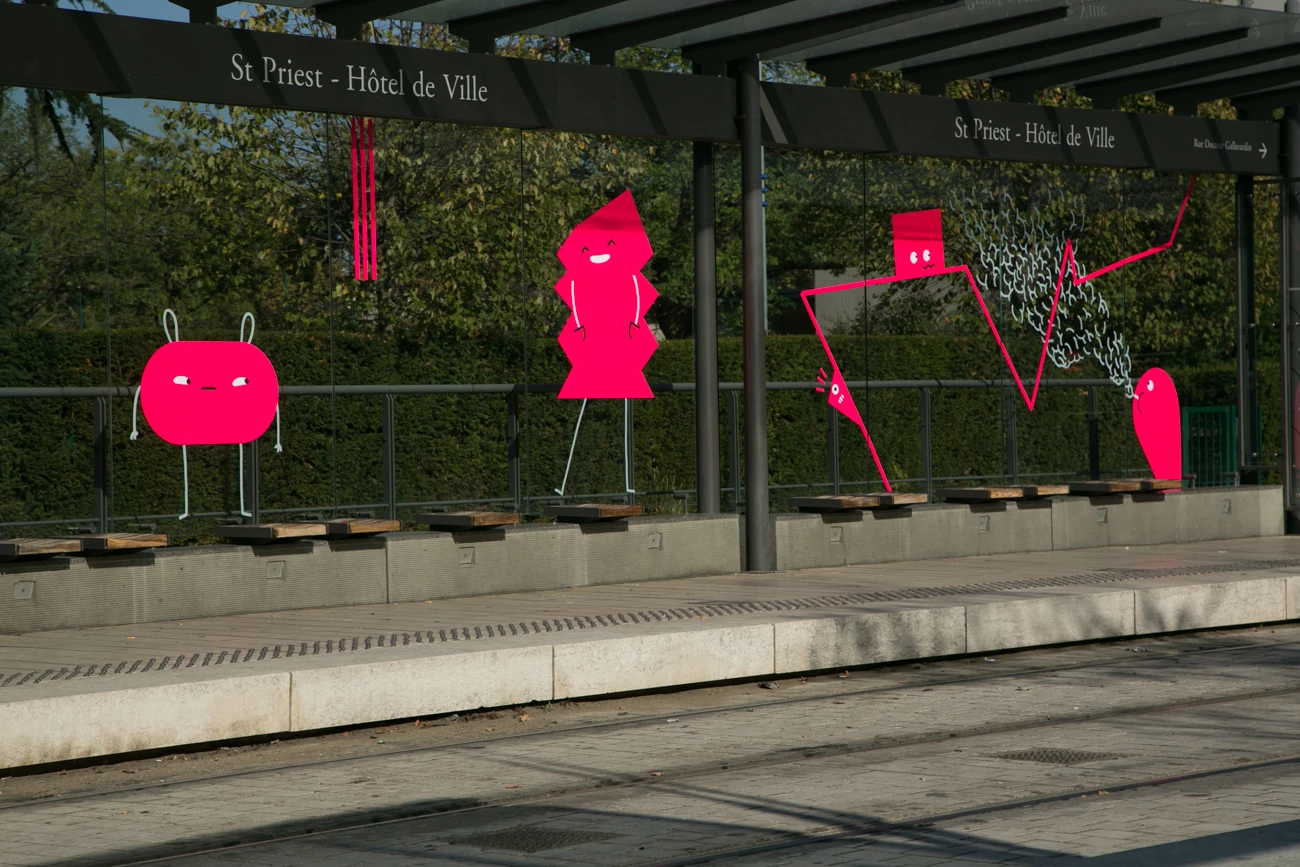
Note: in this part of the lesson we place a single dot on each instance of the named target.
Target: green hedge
(454, 446)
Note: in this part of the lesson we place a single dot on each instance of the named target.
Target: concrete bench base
(181, 583)
(1016, 525)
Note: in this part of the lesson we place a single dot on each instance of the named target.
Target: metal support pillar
(757, 532)
(833, 448)
(252, 493)
(99, 423)
(390, 456)
(512, 450)
(1289, 308)
(1247, 388)
(927, 466)
(733, 448)
(1094, 436)
(708, 472)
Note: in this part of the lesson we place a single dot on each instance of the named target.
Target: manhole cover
(530, 838)
(1056, 757)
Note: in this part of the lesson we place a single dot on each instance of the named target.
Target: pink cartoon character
(606, 337)
(208, 392)
(918, 244)
(1157, 421)
(918, 253)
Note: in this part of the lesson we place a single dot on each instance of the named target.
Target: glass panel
(56, 181)
(214, 213)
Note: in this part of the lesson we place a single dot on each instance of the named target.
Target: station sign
(117, 55)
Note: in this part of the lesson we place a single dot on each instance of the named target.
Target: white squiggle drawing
(1020, 256)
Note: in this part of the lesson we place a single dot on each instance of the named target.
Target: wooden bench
(103, 543)
(286, 531)
(290, 530)
(1126, 486)
(849, 503)
(590, 512)
(1003, 492)
(344, 527)
(40, 547)
(451, 521)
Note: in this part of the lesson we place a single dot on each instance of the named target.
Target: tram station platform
(78, 693)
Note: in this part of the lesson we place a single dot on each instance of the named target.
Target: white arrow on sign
(1263, 151)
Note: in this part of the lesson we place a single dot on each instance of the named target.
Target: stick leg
(572, 445)
(627, 453)
(242, 512)
(185, 465)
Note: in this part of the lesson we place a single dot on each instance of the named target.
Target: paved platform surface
(163, 684)
(1185, 753)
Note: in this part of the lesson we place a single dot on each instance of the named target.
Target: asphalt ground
(914, 763)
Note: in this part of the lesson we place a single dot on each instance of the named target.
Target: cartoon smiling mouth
(600, 260)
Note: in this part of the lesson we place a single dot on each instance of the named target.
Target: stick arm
(135, 405)
(278, 447)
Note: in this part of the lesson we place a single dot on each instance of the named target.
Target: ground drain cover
(1056, 757)
(530, 838)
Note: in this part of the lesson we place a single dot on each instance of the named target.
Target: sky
(135, 111)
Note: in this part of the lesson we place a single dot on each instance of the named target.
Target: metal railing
(102, 521)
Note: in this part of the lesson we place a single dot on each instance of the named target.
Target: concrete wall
(183, 583)
(213, 580)
(555, 556)
(1057, 523)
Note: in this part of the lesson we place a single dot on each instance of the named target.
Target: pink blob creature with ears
(208, 392)
(606, 338)
(1158, 423)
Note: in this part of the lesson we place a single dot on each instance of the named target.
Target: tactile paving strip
(1052, 756)
(349, 644)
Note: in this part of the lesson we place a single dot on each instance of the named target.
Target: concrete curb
(68, 720)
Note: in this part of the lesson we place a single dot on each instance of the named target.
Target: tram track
(577, 795)
(314, 827)
(868, 829)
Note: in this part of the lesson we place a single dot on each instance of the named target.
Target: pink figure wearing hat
(606, 337)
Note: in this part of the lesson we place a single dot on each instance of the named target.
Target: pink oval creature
(1157, 421)
(208, 393)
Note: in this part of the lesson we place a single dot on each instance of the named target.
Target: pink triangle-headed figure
(606, 337)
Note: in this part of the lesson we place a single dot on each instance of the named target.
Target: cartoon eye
(181, 380)
(913, 257)
(926, 255)
(240, 380)
(611, 243)
(835, 389)
(1151, 385)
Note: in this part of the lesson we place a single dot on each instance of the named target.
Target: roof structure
(1185, 51)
